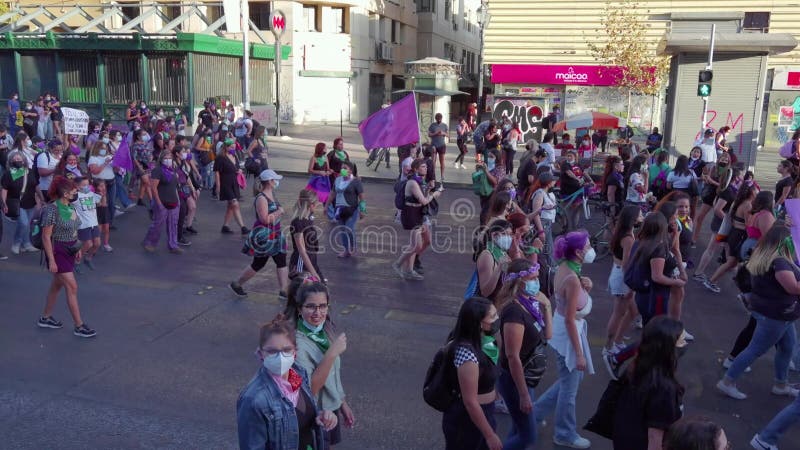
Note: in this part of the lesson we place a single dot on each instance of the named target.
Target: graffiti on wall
(527, 113)
(717, 120)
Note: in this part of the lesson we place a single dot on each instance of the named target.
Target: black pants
(462, 150)
(509, 155)
(743, 340)
(182, 218)
(460, 433)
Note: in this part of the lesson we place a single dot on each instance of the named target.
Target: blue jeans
(22, 234)
(523, 426)
(768, 332)
(122, 191)
(111, 197)
(208, 175)
(348, 232)
(560, 397)
(781, 422)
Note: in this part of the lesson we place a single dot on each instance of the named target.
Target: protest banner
(75, 121)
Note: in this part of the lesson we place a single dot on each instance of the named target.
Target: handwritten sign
(75, 121)
(265, 115)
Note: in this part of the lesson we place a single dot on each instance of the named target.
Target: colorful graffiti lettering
(736, 122)
(526, 114)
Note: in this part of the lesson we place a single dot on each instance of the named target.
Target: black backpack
(400, 193)
(35, 230)
(637, 274)
(441, 389)
(546, 123)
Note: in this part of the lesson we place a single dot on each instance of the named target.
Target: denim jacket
(267, 420)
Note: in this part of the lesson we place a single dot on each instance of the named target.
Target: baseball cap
(269, 174)
(709, 131)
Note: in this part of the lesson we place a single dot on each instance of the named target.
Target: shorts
(64, 254)
(441, 150)
(735, 240)
(103, 215)
(708, 196)
(260, 261)
(716, 223)
(87, 234)
(616, 281)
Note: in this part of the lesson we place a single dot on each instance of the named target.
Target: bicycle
(600, 239)
(376, 155)
(562, 223)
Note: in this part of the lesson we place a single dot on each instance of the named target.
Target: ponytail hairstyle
(567, 246)
(513, 281)
(483, 239)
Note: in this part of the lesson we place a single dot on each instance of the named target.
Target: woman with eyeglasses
(319, 350)
(277, 408)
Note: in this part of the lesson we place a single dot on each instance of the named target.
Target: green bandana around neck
(16, 174)
(320, 161)
(496, 251)
(490, 349)
(341, 155)
(319, 337)
(65, 211)
(575, 266)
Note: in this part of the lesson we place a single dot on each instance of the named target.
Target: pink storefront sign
(554, 74)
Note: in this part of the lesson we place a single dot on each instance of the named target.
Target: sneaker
(118, 213)
(578, 442)
(148, 248)
(418, 267)
(414, 276)
(15, 249)
(455, 165)
(49, 322)
(226, 230)
(785, 390)
(463, 166)
(730, 391)
(176, 251)
(129, 207)
(699, 277)
(282, 296)
(711, 286)
(88, 263)
(792, 366)
(29, 248)
(191, 229)
(185, 242)
(687, 336)
(727, 362)
(107, 248)
(610, 361)
(397, 268)
(3, 257)
(637, 323)
(245, 230)
(758, 444)
(237, 289)
(84, 331)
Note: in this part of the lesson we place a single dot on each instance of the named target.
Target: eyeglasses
(321, 308)
(286, 351)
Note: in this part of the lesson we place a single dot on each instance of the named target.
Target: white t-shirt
(709, 150)
(548, 211)
(634, 195)
(108, 172)
(43, 162)
(680, 181)
(86, 207)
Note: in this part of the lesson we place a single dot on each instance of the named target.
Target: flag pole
(416, 112)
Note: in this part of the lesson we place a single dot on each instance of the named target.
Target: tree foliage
(621, 46)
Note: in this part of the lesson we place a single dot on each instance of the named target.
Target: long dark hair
(611, 161)
(468, 325)
(635, 167)
(485, 236)
(744, 194)
(652, 234)
(668, 209)
(656, 360)
(764, 201)
(682, 166)
(498, 203)
(692, 433)
(625, 222)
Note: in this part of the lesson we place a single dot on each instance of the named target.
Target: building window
(131, 12)
(214, 13)
(171, 11)
(449, 51)
(756, 22)
(467, 21)
(396, 35)
(447, 10)
(309, 18)
(333, 20)
(259, 14)
(426, 6)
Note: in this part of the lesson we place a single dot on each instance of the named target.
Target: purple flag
(122, 158)
(793, 211)
(392, 126)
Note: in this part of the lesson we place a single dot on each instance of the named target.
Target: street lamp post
(483, 22)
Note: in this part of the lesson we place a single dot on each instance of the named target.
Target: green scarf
(319, 337)
(16, 174)
(65, 211)
(496, 251)
(489, 346)
(341, 155)
(573, 265)
(321, 161)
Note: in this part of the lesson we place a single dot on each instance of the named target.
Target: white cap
(269, 174)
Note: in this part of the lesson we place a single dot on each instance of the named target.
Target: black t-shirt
(637, 410)
(783, 183)
(568, 184)
(305, 227)
(768, 296)
(619, 194)
(206, 118)
(167, 189)
(27, 199)
(522, 174)
(516, 313)
(729, 197)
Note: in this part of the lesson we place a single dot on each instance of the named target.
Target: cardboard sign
(75, 121)
(265, 115)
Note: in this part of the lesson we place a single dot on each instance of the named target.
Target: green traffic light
(704, 90)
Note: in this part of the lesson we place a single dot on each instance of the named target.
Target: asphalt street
(175, 346)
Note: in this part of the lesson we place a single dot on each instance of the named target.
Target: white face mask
(118, 138)
(278, 364)
(106, 140)
(590, 255)
(503, 241)
(28, 143)
(184, 156)
(167, 162)
(102, 152)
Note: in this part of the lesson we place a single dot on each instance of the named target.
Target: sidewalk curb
(382, 180)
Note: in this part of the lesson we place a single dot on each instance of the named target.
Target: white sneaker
(15, 249)
(687, 336)
(463, 166)
(792, 366)
(785, 390)
(758, 444)
(29, 248)
(731, 391)
(727, 362)
(108, 248)
(455, 165)
(579, 442)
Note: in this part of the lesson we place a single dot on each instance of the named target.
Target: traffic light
(704, 83)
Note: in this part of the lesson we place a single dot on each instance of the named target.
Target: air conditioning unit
(385, 52)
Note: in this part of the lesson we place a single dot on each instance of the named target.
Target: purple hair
(566, 246)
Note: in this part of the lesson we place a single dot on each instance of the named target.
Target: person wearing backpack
(415, 217)
(18, 200)
(469, 422)
(658, 175)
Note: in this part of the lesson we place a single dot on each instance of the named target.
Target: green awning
(433, 92)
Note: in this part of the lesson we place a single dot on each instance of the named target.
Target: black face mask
(494, 329)
(74, 198)
(17, 164)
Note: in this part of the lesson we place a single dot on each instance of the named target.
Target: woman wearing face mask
(143, 164)
(29, 119)
(18, 199)
(350, 206)
(716, 179)
(625, 311)
(722, 206)
(180, 122)
(637, 183)
(492, 257)
(543, 211)
(513, 138)
(566, 144)
(226, 170)
(277, 408)
(100, 159)
(258, 148)
(166, 206)
(60, 225)
(187, 192)
(24, 145)
(414, 217)
(304, 237)
(469, 421)
(739, 211)
(651, 399)
(318, 168)
(268, 216)
(573, 180)
(132, 114)
(120, 187)
(783, 188)
(526, 321)
(491, 140)
(336, 158)
(202, 145)
(68, 167)
(570, 337)
(319, 348)
(773, 304)
(586, 149)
